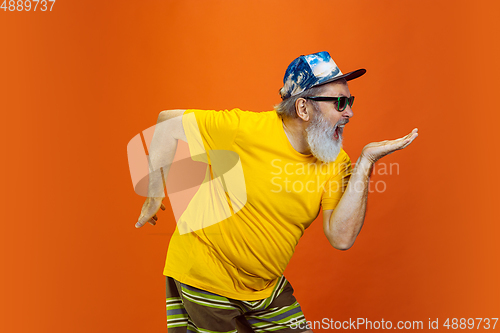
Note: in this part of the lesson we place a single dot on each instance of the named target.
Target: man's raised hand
(376, 150)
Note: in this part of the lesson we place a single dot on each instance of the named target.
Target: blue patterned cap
(312, 70)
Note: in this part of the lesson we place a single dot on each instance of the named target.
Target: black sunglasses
(340, 102)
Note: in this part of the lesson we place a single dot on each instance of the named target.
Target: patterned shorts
(191, 309)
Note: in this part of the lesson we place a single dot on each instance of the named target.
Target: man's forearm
(347, 219)
(161, 155)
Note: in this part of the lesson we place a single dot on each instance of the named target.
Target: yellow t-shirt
(240, 230)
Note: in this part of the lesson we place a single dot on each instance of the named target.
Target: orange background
(79, 82)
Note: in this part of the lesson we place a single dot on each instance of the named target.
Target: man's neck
(296, 134)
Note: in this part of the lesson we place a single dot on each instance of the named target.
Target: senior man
(225, 266)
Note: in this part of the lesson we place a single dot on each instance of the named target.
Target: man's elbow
(164, 115)
(340, 243)
(167, 114)
(343, 246)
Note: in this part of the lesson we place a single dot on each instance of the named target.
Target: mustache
(342, 122)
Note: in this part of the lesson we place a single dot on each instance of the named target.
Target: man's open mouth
(339, 129)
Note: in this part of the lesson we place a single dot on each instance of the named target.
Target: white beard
(320, 139)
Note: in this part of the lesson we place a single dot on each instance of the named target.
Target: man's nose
(347, 113)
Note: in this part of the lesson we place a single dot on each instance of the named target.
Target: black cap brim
(349, 76)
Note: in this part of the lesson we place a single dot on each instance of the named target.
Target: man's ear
(301, 109)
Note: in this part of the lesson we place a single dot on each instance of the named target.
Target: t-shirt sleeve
(210, 130)
(337, 184)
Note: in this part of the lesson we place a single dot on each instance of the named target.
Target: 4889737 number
(27, 5)
(470, 323)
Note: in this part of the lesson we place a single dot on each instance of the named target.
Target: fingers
(148, 213)
(410, 137)
(414, 131)
(407, 139)
(153, 220)
(376, 150)
(142, 221)
(401, 143)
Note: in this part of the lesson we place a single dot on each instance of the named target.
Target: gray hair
(286, 109)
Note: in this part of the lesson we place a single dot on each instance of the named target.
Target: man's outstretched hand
(376, 150)
(149, 210)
